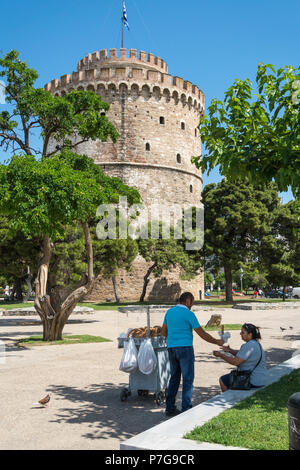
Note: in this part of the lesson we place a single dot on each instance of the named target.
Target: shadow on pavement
(99, 406)
(275, 356)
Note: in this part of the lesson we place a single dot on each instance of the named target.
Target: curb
(169, 434)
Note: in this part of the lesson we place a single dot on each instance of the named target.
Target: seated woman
(246, 358)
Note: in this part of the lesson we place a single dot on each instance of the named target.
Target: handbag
(240, 379)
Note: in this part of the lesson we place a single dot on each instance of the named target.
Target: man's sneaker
(173, 413)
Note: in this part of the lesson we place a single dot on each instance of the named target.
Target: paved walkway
(84, 380)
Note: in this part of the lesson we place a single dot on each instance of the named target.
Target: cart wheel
(124, 394)
(159, 398)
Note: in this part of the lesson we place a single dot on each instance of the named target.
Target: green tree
(166, 253)
(54, 118)
(112, 255)
(42, 197)
(18, 256)
(255, 136)
(220, 280)
(208, 279)
(237, 218)
(68, 262)
(254, 275)
(281, 249)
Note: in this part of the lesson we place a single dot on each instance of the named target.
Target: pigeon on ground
(291, 328)
(44, 401)
(282, 329)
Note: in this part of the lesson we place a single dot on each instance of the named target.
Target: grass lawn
(68, 339)
(216, 303)
(11, 305)
(221, 303)
(259, 422)
(227, 327)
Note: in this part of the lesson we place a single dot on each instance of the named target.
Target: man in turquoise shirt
(178, 326)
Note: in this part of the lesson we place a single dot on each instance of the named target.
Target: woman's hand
(216, 353)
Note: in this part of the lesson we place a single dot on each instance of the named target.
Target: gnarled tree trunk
(29, 286)
(114, 281)
(146, 281)
(52, 309)
(228, 283)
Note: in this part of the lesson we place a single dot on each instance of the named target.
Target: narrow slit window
(178, 158)
(148, 147)
(191, 188)
(183, 126)
(161, 120)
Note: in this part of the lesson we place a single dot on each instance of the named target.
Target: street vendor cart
(157, 381)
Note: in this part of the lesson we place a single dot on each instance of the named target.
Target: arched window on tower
(183, 126)
(148, 147)
(178, 158)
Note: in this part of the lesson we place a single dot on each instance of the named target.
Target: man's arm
(207, 337)
(164, 330)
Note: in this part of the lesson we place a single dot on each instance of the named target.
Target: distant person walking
(260, 293)
(6, 292)
(178, 326)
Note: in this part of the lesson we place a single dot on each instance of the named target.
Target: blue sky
(208, 43)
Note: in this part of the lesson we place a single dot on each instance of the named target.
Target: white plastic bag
(129, 361)
(147, 360)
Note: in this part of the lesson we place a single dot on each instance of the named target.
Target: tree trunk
(29, 285)
(18, 289)
(54, 311)
(146, 281)
(115, 289)
(228, 280)
(283, 294)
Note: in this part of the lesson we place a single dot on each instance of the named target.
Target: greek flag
(124, 18)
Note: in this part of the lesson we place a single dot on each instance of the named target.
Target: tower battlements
(147, 75)
(144, 58)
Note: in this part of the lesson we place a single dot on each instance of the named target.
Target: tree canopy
(167, 253)
(43, 196)
(67, 120)
(256, 135)
(281, 249)
(237, 218)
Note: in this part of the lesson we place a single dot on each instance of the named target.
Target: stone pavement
(84, 380)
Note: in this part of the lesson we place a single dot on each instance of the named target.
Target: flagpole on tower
(124, 21)
(122, 25)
